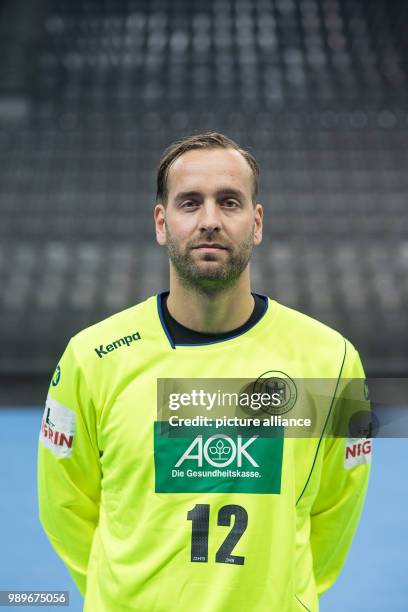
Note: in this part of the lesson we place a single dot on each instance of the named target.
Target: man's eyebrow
(186, 194)
(231, 191)
(220, 192)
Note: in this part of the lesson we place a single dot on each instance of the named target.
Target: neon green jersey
(145, 523)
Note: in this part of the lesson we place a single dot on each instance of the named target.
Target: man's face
(210, 224)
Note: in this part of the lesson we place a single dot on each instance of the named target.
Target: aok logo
(218, 450)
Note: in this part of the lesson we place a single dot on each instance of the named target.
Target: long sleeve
(344, 479)
(69, 471)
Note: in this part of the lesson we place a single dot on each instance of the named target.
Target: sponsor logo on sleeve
(57, 376)
(115, 344)
(57, 428)
(366, 390)
(357, 452)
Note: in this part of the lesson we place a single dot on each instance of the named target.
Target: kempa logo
(218, 450)
(125, 341)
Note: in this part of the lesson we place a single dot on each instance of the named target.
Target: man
(155, 513)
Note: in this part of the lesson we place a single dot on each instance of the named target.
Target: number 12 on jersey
(200, 517)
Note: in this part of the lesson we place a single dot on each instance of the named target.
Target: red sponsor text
(358, 449)
(59, 438)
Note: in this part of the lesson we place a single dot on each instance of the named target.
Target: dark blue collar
(179, 335)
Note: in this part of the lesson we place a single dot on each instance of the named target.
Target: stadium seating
(317, 89)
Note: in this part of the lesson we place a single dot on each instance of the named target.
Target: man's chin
(208, 256)
(209, 274)
(205, 275)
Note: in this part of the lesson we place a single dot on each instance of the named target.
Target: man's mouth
(210, 246)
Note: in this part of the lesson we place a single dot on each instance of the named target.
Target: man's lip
(210, 246)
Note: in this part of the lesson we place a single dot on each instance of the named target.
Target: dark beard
(209, 280)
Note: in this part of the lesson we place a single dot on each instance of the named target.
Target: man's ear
(160, 224)
(258, 223)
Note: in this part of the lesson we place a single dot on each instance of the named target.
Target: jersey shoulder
(310, 332)
(117, 330)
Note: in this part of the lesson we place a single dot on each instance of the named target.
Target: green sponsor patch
(217, 461)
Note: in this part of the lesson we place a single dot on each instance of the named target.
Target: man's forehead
(208, 166)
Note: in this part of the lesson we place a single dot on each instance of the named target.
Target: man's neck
(214, 312)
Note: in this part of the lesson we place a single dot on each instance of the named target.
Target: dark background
(92, 91)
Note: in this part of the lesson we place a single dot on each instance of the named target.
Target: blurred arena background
(92, 91)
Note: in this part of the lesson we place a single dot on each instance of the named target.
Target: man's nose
(209, 216)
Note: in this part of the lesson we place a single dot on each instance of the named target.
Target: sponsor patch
(357, 452)
(57, 428)
(214, 462)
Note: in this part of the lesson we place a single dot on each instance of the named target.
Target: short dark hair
(206, 140)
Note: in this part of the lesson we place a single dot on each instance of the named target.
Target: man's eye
(231, 203)
(189, 204)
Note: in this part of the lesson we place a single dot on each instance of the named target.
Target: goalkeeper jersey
(158, 518)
